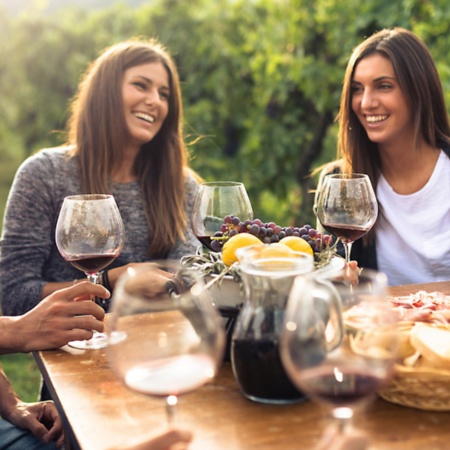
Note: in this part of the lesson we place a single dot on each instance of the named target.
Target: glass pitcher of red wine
(255, 353)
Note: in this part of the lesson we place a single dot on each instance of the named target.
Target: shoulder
(46, 159)
(446, 149)
(192, 180)
(329, 168)
(332, 167)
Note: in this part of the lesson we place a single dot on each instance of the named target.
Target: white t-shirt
(413, 233)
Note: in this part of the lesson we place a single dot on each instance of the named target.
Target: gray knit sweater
(29, 257)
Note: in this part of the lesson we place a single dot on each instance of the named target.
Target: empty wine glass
(173, 337)
(339, 342)
(215, 201)
(347, 207)
(90, 235)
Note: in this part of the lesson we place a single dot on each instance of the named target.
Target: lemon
(297, 244)
(276, 250)
(237, 241)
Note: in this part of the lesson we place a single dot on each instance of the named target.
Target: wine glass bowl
(347, 207)
(340, 342)
(90, 235)
(173, 340)
(215, 201)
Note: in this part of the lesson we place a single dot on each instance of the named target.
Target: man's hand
(42, 419)
(66, 315)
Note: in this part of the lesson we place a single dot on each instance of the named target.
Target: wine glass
(340, 342)
(215, 201)
(90, 235)
(174, 339)
(347, 207)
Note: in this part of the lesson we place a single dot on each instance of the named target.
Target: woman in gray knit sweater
(124, 138)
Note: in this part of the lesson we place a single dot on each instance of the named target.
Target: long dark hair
(98, 135)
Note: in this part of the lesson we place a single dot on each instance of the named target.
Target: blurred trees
(261, 80)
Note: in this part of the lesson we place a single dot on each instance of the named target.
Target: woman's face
(145, 93)
(379, 103)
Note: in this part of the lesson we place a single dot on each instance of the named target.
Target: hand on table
(41, 418)
(65, 315)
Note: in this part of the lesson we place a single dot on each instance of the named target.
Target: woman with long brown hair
(393, 126)
(124, 138)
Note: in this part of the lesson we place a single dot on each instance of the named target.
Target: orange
(237, 241)
(297, 244)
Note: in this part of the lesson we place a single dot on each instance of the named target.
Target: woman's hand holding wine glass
(90, 235)
(340, 342)
(214, 202)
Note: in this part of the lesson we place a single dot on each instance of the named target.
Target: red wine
(340, 388)
(258, 369)
(205, 240)
(92, 263)
(345, 232)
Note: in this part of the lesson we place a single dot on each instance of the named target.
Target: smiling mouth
(376, 119)
(147, 117)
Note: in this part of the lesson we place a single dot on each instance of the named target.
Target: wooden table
(100, 413)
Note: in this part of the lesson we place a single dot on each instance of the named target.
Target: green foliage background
(261, 80)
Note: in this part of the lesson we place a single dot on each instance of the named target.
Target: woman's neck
(125, 173)
(408, 169)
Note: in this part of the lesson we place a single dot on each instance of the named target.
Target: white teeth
(144, 116)
(373, 119)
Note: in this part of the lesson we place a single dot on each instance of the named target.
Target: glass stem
(93, 278)
(348, 251)
(343, 417)
(171, 408)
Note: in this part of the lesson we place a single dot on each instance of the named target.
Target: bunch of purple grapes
(269, 233)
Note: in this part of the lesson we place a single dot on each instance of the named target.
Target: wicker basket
(421, 388)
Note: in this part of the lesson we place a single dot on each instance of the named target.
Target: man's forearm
(8, 397)
(9, 335)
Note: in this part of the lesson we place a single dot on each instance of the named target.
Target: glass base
(116, 336)
(98, 340)
(275, 401)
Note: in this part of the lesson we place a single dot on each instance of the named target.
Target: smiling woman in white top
(394, 127)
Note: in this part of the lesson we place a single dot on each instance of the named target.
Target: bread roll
(433, 343)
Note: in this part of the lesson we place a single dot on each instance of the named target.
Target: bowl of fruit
(221, 266)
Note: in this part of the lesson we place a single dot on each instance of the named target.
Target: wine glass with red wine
(173, 338)
(90, 235)
(339, 342)
(347, 207)
(214, 202)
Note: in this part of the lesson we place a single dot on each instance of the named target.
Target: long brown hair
(419, 80)
(98, 134)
